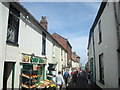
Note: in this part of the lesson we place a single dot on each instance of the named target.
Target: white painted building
(21, 33)
(105, 34)
(75, 60)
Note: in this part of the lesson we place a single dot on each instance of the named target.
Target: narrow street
(81, 83)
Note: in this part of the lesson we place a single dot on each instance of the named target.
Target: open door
(8, 75)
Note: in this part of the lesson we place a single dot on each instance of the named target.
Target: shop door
(8, 76)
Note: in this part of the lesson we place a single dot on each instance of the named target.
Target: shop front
(33, 72)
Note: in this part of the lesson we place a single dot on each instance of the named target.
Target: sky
(71, 20)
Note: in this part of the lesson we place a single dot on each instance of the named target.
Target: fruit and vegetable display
(32, 76)
(42, 84)
(47, 83)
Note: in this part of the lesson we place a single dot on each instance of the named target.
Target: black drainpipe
(117, 26)
(118, 35)
(94, 55)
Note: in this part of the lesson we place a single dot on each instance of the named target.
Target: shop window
(52, 67)
(13, 26)
(100, 32)
(43, 43)
(101, 67)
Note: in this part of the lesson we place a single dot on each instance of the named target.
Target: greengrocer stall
(33, 73)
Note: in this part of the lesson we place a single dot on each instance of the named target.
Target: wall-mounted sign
(32, 59)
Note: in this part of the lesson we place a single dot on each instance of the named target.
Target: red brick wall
(64, 43)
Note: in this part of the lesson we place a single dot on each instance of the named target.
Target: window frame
(100, 32)
(43, 43)
(13, 26)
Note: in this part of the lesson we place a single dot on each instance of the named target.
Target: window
(13, 26)
(43, 43)
(61, 54)
(100, 32)
(53, 50)
(101, 67)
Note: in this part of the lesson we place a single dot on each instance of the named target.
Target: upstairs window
(61, 54)
(53, 50)
(43, 43)
(100, 32)
(13, 25)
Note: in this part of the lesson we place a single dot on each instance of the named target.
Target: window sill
(12, 44)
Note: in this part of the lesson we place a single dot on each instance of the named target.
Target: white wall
(1, 61)
(108, 47)
(29, 40)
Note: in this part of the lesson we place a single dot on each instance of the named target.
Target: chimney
(43, 22)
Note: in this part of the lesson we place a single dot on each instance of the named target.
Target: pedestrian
(74, 78)
(79, 73)
(72, 72)
(89, 77)
(59, 80)
(66, 77)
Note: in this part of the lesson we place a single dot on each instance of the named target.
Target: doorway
(8, 75)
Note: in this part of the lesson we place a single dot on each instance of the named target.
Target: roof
(25, 12)
(63, 38)
(100, 11)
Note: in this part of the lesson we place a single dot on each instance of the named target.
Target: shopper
(66, 77)
(59, 80)
(74, 79)
(89, 77)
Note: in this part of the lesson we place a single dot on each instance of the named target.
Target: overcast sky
(71, 20)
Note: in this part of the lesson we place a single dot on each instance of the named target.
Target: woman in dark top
(74, 79)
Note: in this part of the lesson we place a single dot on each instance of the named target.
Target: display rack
(30, 75)
(32, 71)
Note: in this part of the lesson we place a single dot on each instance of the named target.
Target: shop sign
(32, 59)
(36, 60)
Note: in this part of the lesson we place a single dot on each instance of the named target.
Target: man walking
(59, 80)
(66, 77)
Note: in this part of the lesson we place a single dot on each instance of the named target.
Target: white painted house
(21, 33)
(104, 45)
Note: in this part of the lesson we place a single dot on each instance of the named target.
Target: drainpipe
(118, 36)
(94, 56)
(117, 25)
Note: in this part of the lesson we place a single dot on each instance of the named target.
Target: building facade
(104, 45)
(22, 35)
(75, 61)
(65, 43)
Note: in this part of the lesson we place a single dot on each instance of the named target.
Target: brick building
(65, 43)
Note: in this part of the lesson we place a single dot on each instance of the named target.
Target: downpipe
(118, 34)
(117, 25)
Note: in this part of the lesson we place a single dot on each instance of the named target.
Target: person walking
(59, 80)
(74, 79)
(66, 77)
(89, 77)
